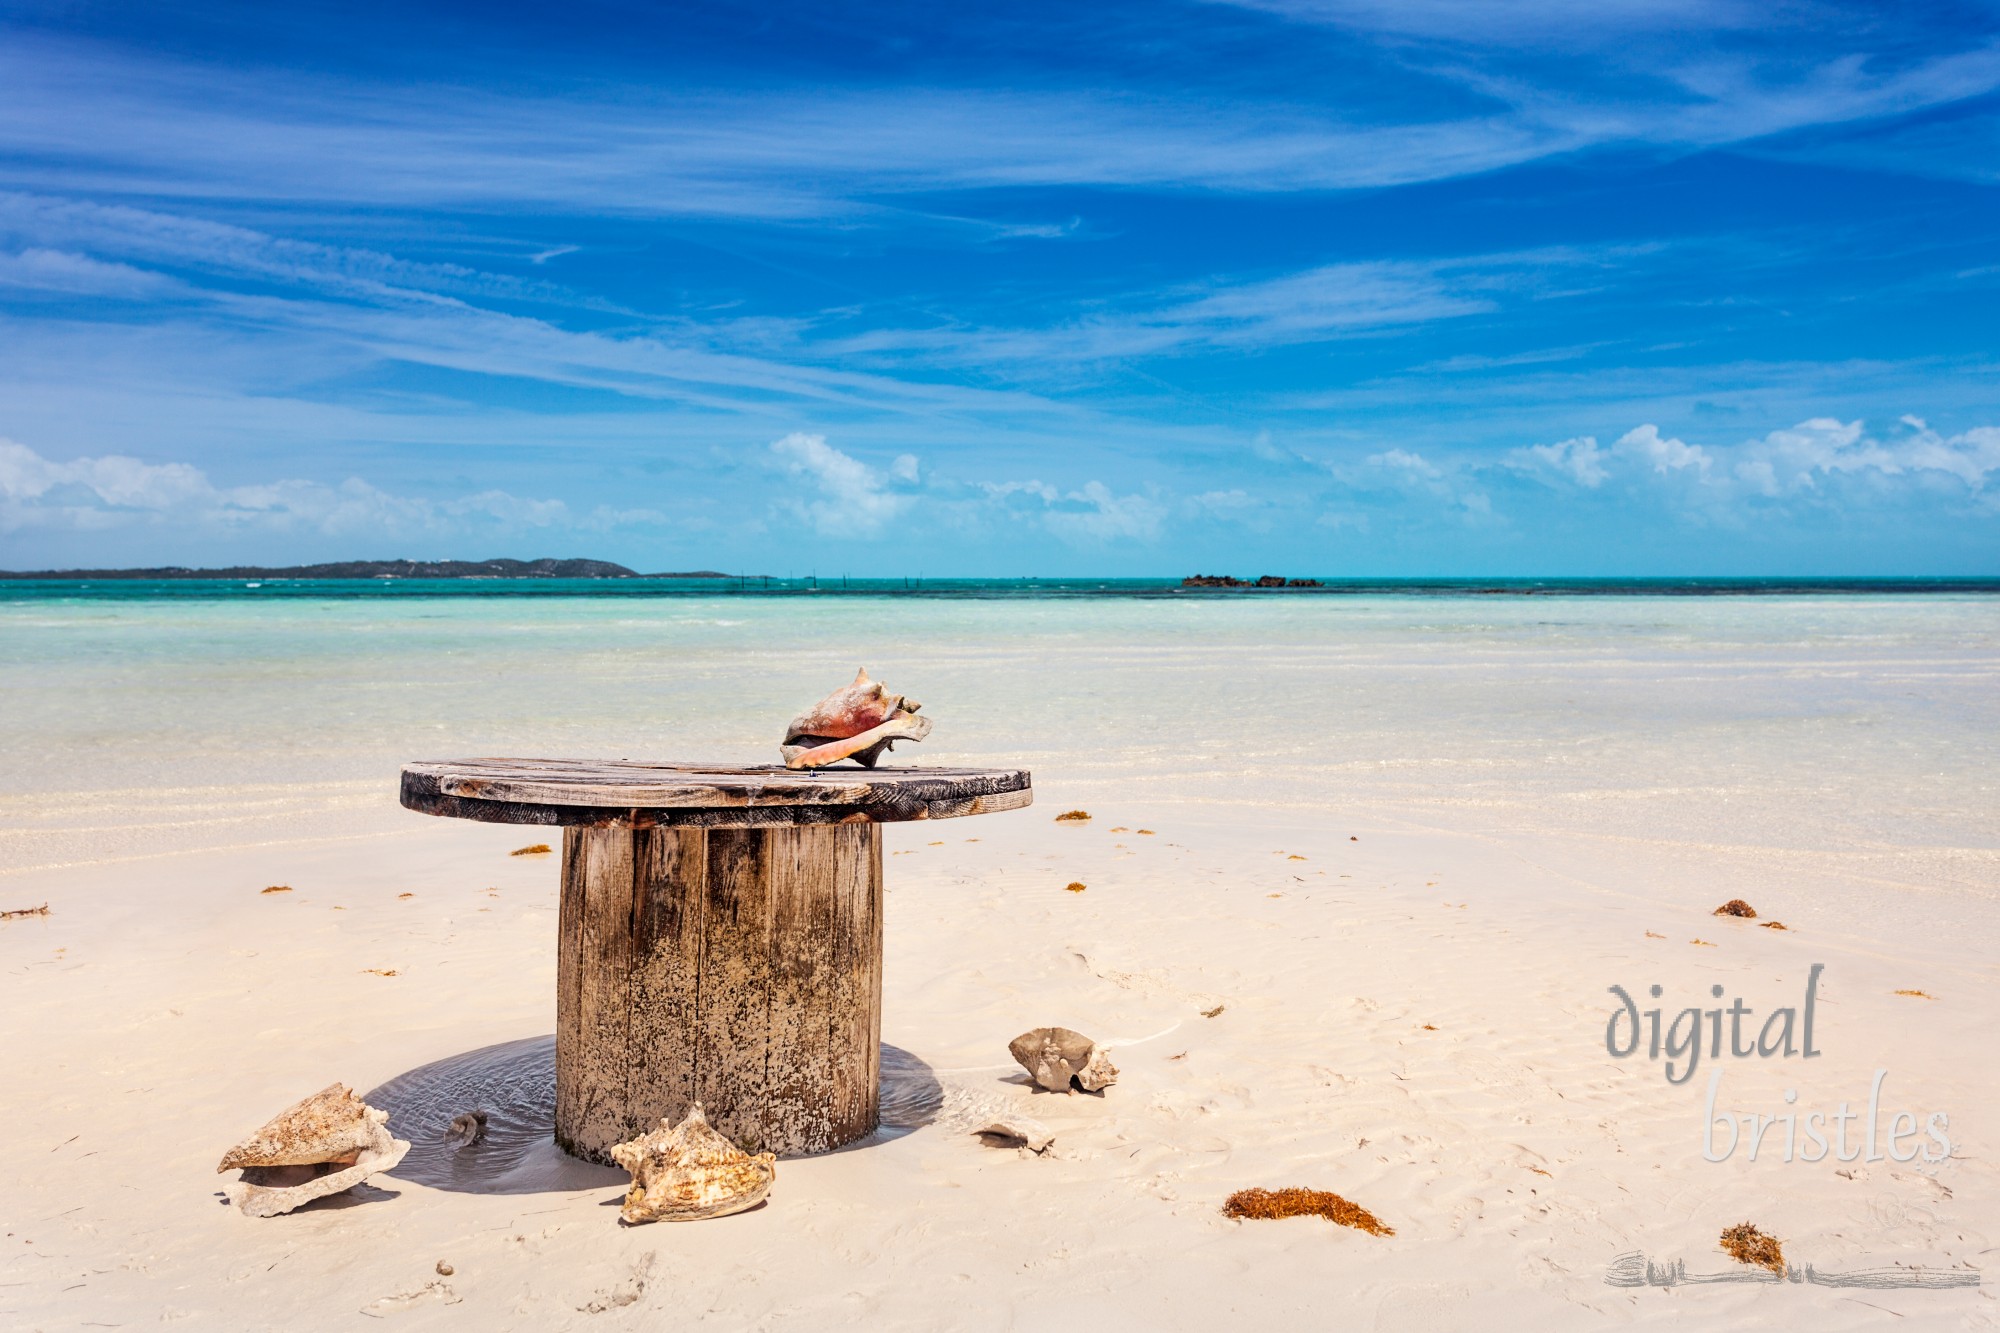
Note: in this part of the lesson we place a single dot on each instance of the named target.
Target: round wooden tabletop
(605, 793)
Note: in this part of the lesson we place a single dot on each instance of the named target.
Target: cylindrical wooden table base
(736, 967)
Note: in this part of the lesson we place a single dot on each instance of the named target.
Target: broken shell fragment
(1017, 1131)
(1054, 1057)
(860, 721)
(685, 1172)
(1098, 1073)
(330, 1142)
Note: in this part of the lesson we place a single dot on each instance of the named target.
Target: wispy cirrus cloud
(1320, 303)
(74, 116)
(376, 306)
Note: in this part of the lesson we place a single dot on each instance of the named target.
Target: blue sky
(1305, 286)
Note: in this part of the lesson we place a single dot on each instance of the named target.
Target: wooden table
(721, 934)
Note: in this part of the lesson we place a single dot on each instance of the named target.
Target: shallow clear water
(1829, 721)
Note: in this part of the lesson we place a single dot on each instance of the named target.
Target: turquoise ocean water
(1857, 720)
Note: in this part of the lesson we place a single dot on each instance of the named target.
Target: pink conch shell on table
(858, 721)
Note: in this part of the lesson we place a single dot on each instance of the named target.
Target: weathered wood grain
(737, 967)
(721, 934)
(623, 794)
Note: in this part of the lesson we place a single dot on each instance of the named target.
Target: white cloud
(358, 305)
(76, 111)
(850, 497)
(1801, 459)
(112, 491)
(1402, 460)
(37, 268)
(1666, 455)
(115, 481)
(1579, 459)
(1312, 305)
(1094, 514)
(1090, 515)
(1450, 482)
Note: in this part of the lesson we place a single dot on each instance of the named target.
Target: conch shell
(330, 1142)
(684, 1172)
(858, 721)
(1057, 1057)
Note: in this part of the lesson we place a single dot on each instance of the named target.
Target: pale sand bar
(1412, 1014)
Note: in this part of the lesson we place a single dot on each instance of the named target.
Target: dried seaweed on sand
(539, 849)
(1305, 1203)
(1735, 907)
(20, 912)
(1072, 816)
(1747, 1245)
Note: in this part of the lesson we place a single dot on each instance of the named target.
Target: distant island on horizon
(359, 573)
(381, 569)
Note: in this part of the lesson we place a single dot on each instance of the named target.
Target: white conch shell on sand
(858, 721)
(331, 1141)
(684, 1172)
(1055, 1056)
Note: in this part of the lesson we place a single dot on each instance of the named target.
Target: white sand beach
(1360, 876)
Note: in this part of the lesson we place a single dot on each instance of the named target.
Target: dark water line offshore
(206, 589)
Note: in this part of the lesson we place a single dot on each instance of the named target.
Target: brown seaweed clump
(538, 849)
(1747, 1245)
(21, 912)
(276, 888)
(1735, 907)
(1307, 1203)
(1774, 925)
(1076, 886)
(1072, 816)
